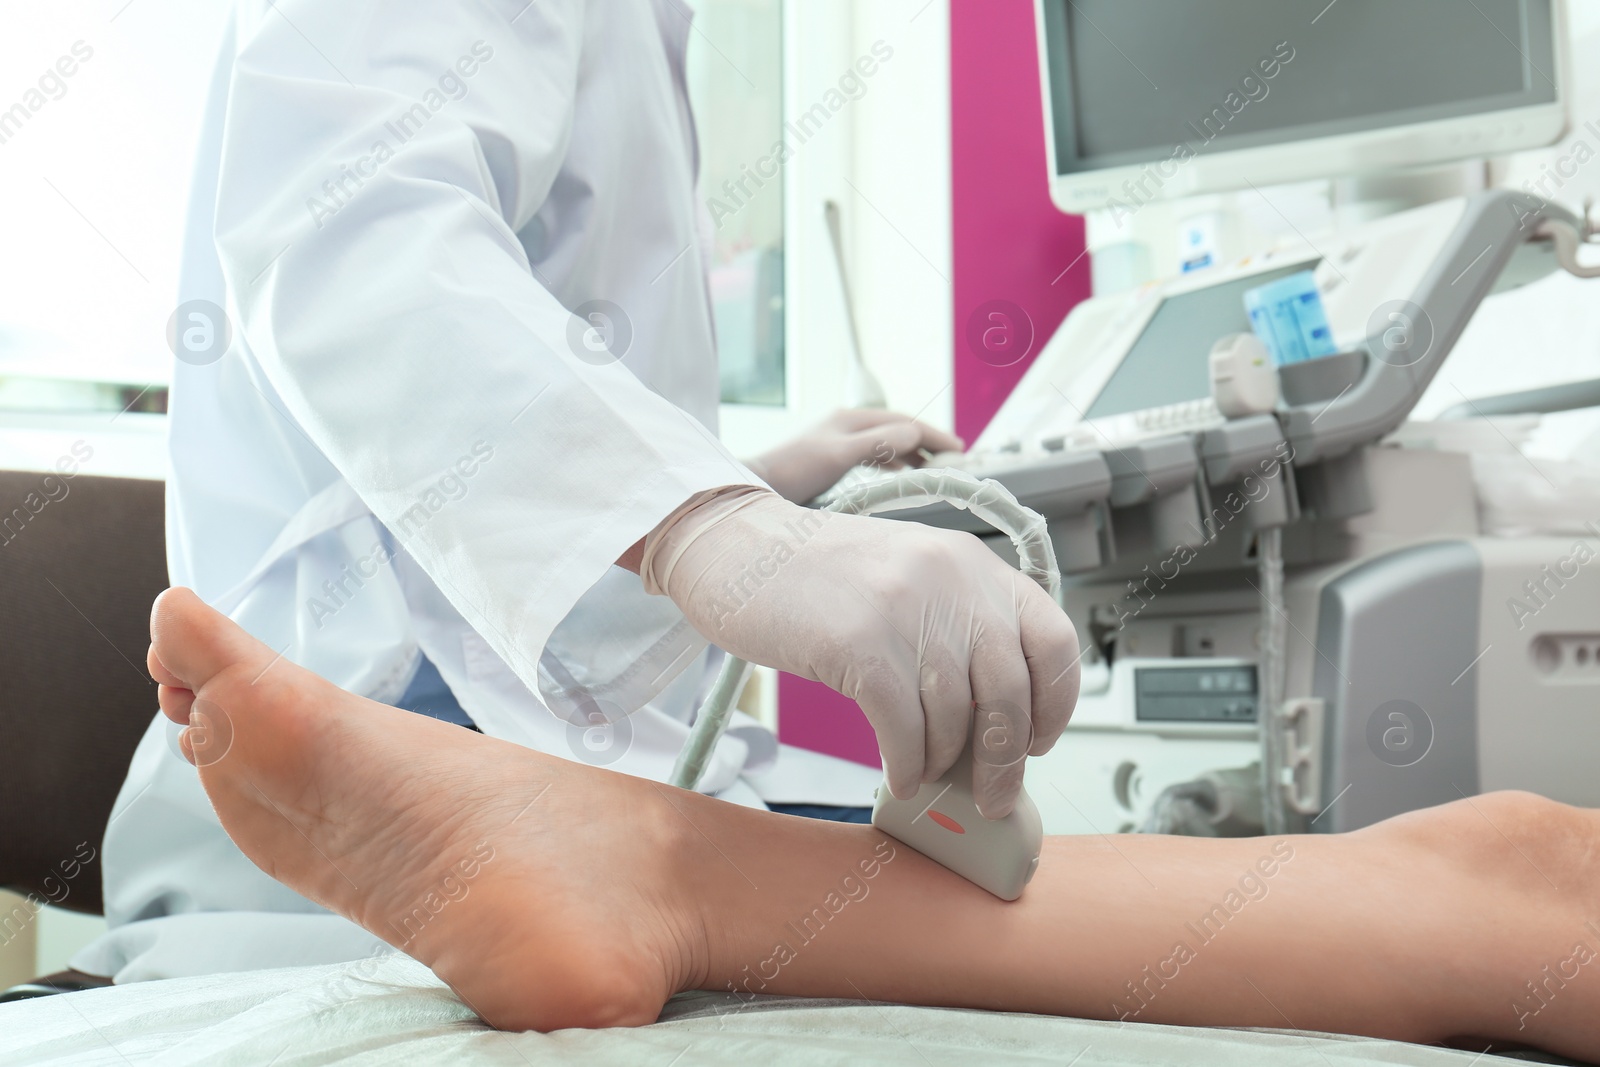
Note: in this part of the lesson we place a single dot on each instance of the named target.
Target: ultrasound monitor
(1150, 99)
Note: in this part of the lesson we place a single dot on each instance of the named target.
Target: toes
(158, 670)
(186, 746)
(191, 642)
(175, 703)
(209, 736)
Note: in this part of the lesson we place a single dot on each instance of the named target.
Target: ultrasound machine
(1291, 618)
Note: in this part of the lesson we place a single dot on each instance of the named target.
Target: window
(102, 107)
(97, 180)
(735, 75)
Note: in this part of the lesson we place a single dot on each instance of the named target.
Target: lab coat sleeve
(377, 279)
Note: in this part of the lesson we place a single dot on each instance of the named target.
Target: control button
(946, 821)
(1054, 444)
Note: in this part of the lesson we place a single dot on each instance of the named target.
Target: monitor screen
(1171, 361)
(1136, 81)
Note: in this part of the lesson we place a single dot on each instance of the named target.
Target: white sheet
(391, 1010)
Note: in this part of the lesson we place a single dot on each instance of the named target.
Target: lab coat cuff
(618, 647)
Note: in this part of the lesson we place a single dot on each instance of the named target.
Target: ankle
(686, 879)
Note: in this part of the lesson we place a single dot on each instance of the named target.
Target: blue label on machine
(1288, 316)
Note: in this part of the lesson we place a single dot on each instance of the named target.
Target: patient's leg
(551, 894)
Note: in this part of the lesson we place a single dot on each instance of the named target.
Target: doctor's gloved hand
(814, 462)
(937, 638)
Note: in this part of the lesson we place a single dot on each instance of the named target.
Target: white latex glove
(815, 461)
(917, 625)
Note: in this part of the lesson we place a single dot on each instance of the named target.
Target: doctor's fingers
(1002, 720)
(946, 694)
(893, 445)
(852, 420)
(1050, 644)
(937, 440)
(849, 420)
(890, 702)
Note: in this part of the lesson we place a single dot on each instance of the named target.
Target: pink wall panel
(1014, 252)
(1018, 270)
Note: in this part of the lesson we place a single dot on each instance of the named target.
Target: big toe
(190, 642)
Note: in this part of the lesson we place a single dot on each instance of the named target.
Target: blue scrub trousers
(429, 695)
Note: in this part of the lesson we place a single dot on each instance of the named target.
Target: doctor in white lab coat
(403, 462)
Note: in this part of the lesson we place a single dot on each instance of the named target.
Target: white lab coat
(398, 203)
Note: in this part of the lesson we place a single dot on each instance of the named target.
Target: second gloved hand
(802, 468)
(936, 637)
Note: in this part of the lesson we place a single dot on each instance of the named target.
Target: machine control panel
(1188, 416)
(1177, 696)
(1203, 694)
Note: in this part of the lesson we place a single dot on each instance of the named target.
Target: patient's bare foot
(546, 893)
